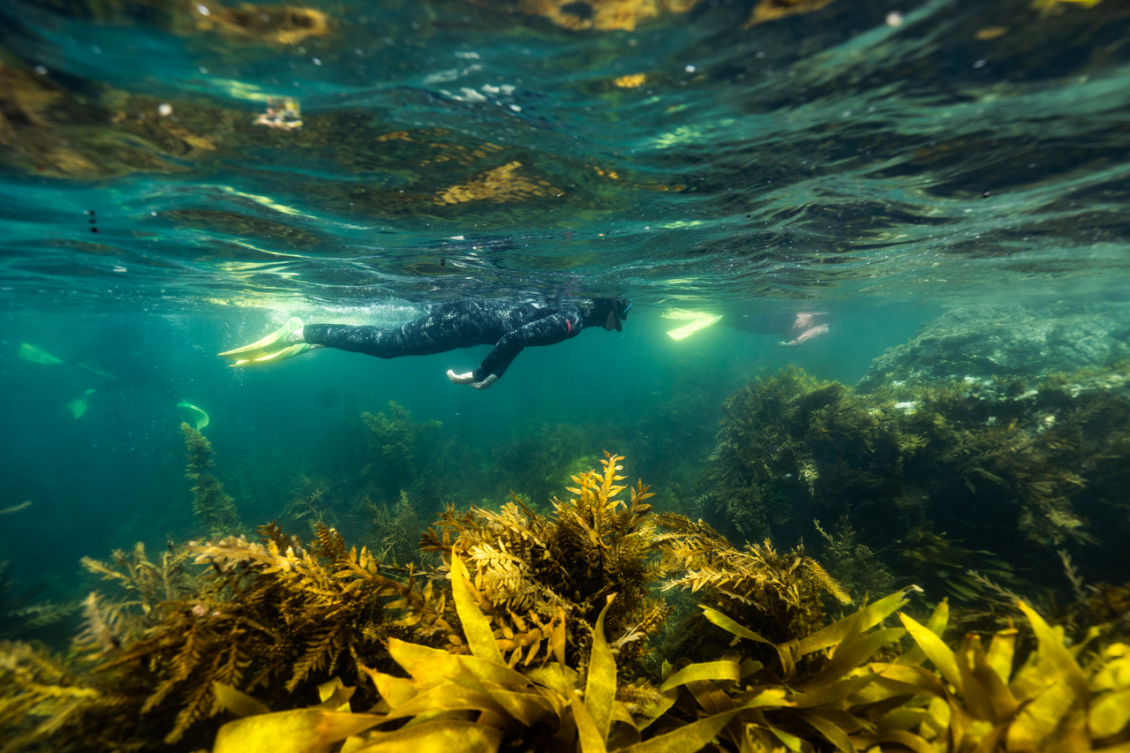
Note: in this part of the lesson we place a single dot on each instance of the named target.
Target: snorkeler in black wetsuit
(797, 327)
(461, 323)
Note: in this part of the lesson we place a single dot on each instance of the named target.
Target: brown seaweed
(530, 571)
(214, 508)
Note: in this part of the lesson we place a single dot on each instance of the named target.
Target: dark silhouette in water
(461, 323)
(794, 329)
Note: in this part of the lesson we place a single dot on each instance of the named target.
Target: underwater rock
(1005, 341)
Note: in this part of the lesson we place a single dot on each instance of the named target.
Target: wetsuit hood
(620, 308)
(598, 310)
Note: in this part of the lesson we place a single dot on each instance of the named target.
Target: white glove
(469, 378)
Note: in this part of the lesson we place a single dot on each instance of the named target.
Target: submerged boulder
(1006, 341)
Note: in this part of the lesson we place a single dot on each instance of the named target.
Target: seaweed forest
(842, 574)
(949, 484)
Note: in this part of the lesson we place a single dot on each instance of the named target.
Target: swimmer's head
(617, 314)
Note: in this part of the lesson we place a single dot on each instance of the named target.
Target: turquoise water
(884, 161)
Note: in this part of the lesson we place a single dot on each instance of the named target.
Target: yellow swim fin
(699, 320)
(279, 355)
(28, 352)
(271, 349)
(198, 414)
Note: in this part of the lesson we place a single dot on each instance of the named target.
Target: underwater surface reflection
(276, 154)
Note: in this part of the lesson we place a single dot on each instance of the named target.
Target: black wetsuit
(463, 323)
(777, 324)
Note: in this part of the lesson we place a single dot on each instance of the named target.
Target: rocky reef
(1006, 341)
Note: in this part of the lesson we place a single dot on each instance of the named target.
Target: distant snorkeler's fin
(99, 372)
(698, 320)
(198, 414)
(78, 406)
(31, 353)
(16, 508)
(271, 349)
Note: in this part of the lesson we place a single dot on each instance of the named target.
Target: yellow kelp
(472, 703)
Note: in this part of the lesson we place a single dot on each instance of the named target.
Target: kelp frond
(39, 695)
(396, 529)
(477, 702)
(147, 583)
(21, 612)
(845, 698)
(849, 697)
(526, 569)
(271, 615)
(777, 594)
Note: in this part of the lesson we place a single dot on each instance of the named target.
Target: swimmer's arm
(548, 331)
